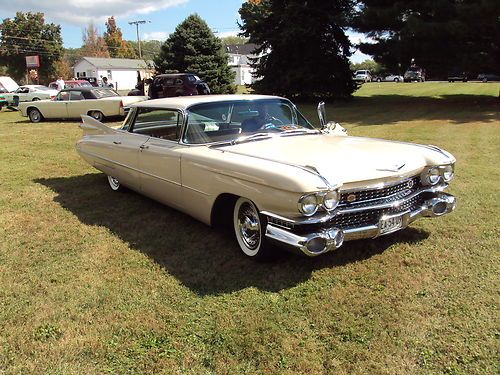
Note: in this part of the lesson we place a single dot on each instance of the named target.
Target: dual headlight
(309, 204)
(433, 175)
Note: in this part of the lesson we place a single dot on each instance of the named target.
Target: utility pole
(136, 23)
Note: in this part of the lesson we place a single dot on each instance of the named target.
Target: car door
(76, 105)
(57, 107)
(159, 157)
(119, 153)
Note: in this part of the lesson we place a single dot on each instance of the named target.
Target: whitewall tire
(114, 184)
(249, 229)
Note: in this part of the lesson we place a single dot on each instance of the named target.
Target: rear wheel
(249, 229)
(35, 115)
(114, 184)
(379, 80)
(396, 79)
(97, 115)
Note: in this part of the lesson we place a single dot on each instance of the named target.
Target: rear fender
(91, 126)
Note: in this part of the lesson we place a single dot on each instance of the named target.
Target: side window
(178, 82)
(158, 123)
(75, 95)
(168, 81)
(63, 95)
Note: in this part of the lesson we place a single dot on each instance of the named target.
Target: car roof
(87, 88)
(183, 102)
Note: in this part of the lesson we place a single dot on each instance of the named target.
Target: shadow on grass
(388, 109)
(205, 260)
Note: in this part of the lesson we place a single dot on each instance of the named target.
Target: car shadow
(205, 260)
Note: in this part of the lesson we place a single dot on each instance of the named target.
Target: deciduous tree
(93, 44)
(117, 47)
(305, 49)
(194, 48)
(441, 35)
(27, 34)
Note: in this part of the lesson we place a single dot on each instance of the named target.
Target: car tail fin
(91, 126)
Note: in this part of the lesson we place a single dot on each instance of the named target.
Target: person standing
(60, 83)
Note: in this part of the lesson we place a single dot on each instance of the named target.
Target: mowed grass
(95, 282)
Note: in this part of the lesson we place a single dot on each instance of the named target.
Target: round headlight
(331, 200)
(433, 176)
(447, 173)
(308, 204)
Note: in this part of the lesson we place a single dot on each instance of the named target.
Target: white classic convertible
(255, 163)
(98, 102)
(29, 93)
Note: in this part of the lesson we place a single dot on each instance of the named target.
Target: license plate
(390, 224)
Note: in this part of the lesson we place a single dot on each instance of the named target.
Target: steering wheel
(271, 122)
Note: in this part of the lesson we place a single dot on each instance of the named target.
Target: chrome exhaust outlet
(439, 205)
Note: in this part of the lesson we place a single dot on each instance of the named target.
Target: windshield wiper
(298, 132)
(252, 137)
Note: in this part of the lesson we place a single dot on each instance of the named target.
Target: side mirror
(322, 114)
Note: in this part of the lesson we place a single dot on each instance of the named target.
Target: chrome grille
(371, 217)
(393, 192)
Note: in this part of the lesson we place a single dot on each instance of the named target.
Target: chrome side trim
(128, 167)
(340, 210)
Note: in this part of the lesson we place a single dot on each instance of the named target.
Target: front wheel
(249, 229)
(35, 115)
(114, 184)
(396, 79)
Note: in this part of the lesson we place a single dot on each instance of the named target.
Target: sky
(161, 16)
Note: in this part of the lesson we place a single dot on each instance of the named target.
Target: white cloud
(155, 35)
(355, 39)
(81, 12)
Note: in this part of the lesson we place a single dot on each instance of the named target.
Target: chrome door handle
(143, 147)
(117, 142)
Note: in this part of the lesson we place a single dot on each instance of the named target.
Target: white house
(240, 56)
(122, 73)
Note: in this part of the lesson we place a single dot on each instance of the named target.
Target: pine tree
(305, 49)
(193, 48)
(117, 47)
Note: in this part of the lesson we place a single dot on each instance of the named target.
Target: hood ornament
(393, 168)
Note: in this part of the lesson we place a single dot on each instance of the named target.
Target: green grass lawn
(95, 282)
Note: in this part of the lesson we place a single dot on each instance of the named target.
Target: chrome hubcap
(34, 115)
(249, 227)
(115, 184)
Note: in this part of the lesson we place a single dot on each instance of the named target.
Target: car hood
(346, 160)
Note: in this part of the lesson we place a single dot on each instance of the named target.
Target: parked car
(362, 75)
(485, 77)
(92, 80)
(232, 160)
(414, 73)
(389, 77)
(3, 101)
(179, 84)
(98, 102)
(28, 93)
(457, 75)
(7, 84)
(71, 83)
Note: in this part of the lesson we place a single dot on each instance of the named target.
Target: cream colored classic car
(98, 102)
(29, 93)
(256, 164)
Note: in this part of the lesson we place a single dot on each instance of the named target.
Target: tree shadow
(459, 109)
(205, 260)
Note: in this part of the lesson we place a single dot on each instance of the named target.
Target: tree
(27, 34)
(305, 49)
(93, 44)
(63, 69)
(117, 47)
(192, 47)
(149, 48)
(440, 35)
(234, 39)
(370, 65)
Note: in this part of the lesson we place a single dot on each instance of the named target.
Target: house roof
(241, 49)
(109, 63)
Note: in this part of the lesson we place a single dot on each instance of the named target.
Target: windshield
(104, 93)
(228, 121)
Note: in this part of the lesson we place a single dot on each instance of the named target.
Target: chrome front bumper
(320, 242)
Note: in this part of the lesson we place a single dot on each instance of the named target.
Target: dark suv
(414, 73)
(180, 84)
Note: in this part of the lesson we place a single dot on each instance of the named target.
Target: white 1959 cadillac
(255, 163)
